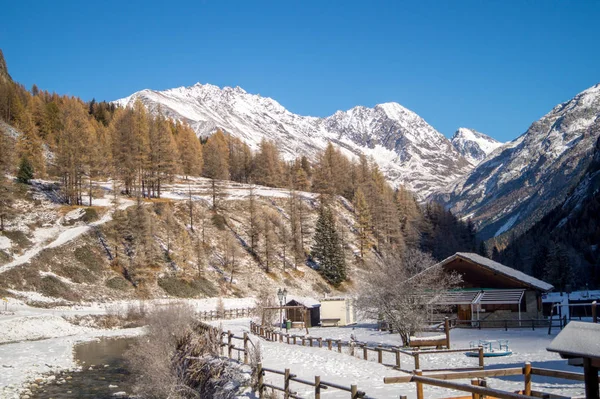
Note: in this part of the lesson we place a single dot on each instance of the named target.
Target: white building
(337, 311)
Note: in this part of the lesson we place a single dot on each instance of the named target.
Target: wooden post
(261, 387)
(398, 359)
(317, 387)
(590, 373)
(481, 359)
(365, 352)
(245, 348)
(280, 337)
(229, 344)
(339, 343)
(310, 340)
(353, 392)
(447, 331)
(294, 340)
(287, 336)
(420, 394)
(379, 354)
(417, 362)
(303, 341)
(320, 342)
(329, 344)
(527, 375)
(475, 382)
(286, 384)
(594, 313)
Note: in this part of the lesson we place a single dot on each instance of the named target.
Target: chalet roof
(500, 269)
(303, 300)
(577, 339)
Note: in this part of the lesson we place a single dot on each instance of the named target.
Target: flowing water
(104, 372)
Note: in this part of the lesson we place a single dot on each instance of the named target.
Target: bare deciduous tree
(401, 289)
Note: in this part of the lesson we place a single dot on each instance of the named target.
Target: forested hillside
(135, 204)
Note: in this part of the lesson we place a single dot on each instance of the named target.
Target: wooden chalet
(491, 290)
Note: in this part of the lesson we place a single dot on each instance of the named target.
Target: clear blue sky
(495, 66)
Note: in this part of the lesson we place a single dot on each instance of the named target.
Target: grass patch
(18, 238)
(118, 283)
(90, 215)
(53, 287)
(219, 221)
(90, 259)
(188, 289)
(77, 274)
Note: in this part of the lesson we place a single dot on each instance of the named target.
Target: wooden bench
(330, 322)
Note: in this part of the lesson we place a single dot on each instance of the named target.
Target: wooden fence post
(310, 340)
(317, 387)
(398, 359)
(365, 352)
(475, 382)
(419, 385)
(339, 344)
(379, 354)
(353, 392)
(329, 344)
(527, 375)
(245, 348)
(447, 331)
(286, 384)
(294, 340)
(594, 312)
(229, 344)
(417, 362)
(481, 359)
(302, 340)
(260, 373)
(287, 336)
(320, 342)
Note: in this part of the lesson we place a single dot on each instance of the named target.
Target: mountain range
(521, 181)
(407, 149)
(501, 187)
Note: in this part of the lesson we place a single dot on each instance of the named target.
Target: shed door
(464, 312)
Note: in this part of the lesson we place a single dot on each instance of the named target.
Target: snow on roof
(303, 300)
(501, 269)
(577, 339)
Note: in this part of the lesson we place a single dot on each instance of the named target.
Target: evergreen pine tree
(25, 173)
(327, 250)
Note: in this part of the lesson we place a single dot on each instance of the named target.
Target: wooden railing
(478, 386)
(238, 313)
(361, 349)
(288, 378)
(226, 339)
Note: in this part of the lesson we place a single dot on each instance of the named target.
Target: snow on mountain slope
(532, 174)
(473, 145)
(408, 150)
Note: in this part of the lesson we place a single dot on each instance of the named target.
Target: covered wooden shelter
(303, 309)
(579, 342)
(489, 287)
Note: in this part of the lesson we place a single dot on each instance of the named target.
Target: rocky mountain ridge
(473, 145)
(520, 182)
(407, 149)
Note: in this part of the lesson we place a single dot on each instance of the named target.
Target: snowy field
(343, 369)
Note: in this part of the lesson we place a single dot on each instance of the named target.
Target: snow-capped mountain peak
(407, 149)
(473, 145)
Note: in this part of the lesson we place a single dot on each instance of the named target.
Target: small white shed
(337, 311)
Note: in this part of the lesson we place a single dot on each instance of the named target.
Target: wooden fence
(227, 342)
(478, 387)
(288, 377)
(209, 315)
(361, 349)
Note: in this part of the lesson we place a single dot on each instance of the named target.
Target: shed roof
(303, 300)
(577, 339)
(500, 269)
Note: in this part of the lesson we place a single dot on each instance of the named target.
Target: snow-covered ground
(343, 369)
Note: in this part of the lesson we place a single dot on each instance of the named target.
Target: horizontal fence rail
(478, 387)
(288, 377)
(362, 350)
(237, 313)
